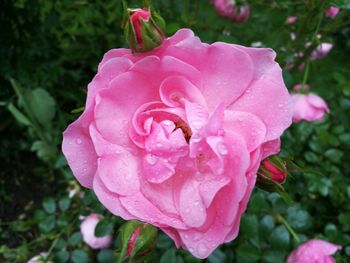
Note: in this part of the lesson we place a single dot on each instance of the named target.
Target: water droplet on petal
(196, 138)
(222, 149)
(197, 124)
(196, 203)
(151, 159)
(159, 145)
(202, 250)
(187, 210)
(79, 141)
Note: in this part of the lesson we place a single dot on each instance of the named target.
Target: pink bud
(132, 241)
(232, 11)
(308, 107)
(321, 51)
(332, 12)
(291, 20)
(87, 229)
(136, 18)
(301, 86)
(276, 172)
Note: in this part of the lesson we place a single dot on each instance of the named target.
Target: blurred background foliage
(49, 51)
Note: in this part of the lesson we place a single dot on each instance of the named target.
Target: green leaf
(169, 256)
(19, 116)
(47, 224)
(64, 203)
(267, 223)
(248, 253)
(106, 256)
(104, 228)
(272, 256)
(299, 219)
(280, 238)
(42, 105)
(249, 225)
(79, 256)
(62, 256)
(217, 257)
(75, 239)
(49, 205)
(344, 4)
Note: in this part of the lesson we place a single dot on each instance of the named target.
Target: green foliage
(49, 51)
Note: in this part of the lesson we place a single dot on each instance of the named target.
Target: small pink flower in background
(87, 229)
(229, 9)
(314, 251)
(174, 137)
(291, 20)
(39, 258)
(332, 12)
(309, 107)
(321, 51)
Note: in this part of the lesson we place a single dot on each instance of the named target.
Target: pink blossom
(232, 11)
(308, 107)
(321, 51)
(87, 228)
(174, 137)
(39, 258)
(314, 251)
(332, 12)
(291, 20)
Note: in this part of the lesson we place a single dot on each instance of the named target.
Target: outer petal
(269, 100)
(110, 200)
(79, 151)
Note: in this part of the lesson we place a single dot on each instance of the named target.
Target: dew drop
(159, 145)
(79, 141)
(196, 203)
(202, 250)
(222, 149)
(191, 249)
(197, 124)
(151, 159)
(196, 138)
(187, 210)
(186, 236)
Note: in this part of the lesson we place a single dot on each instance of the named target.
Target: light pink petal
(264, 62)
(157, 169)
(110, 200)
(106, 73)
(191, 207)
(317, 102)
(116, 106)
(247, 125)
(174, 90)
(209, 188)
(202, 244)
(144, 210)
(270, 148)
(119, 173)
(268, 99)
(79, 151)
(113, 53)
(167, 66)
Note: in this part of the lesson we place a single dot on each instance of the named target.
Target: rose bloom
(332, 12)
(308, 107)
(174, 137)
(314, 251)
(232, 11)
(87, 229)
(291, 20)
(321, 51)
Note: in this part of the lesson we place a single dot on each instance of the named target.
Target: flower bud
(137, 239)
(273, 168)
(332, 12)
(144, 30)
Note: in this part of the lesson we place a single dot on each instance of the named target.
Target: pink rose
(291, 20)
(314, 251)
(232, 11)
(174, 137)
(321, 51)
(309, 107)
(87, 229)
(332, 12)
